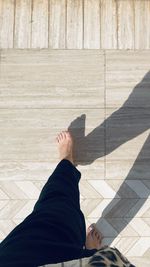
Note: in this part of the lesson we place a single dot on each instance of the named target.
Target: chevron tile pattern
(104, 99)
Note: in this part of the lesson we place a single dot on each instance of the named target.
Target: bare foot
(65, 145)
(93, 238)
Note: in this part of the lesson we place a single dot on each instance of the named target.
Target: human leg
(55, 230)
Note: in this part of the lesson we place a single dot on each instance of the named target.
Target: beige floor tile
(93, 171)
(127, 79)
(87, 190)
(104, 188)
(41, 170)
(6, 226)
(140, 261)
(26, 170)
(127, 133)
(32, 134)
(52, 79)
(129, 188)
(132, 169)
(100, 209)
(88, 204)
(140, 247)
(120, 208)
(16, 208)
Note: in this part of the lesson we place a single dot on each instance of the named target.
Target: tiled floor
(104, 98)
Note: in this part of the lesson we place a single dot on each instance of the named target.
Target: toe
(98, 236)
(59, 137)
(90, 230)
(68, 134)
(95, 233)
(64, 134)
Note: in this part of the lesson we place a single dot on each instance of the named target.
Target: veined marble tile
(52, 79)
(42, 170)
(127, 79)
(127, 133)
(127, 60)
(147, 220)
(26, 170)
(118, 208)
(125, 244)
(140, 261)
(19, 190)
(104, 189)
(93, 171)
(45, 56)
(6, 226)
(127, 89)
(133, 169)
(128, 188)
(88, 204)
(140, 247)
(16, 208)
(87, 190)
(30, 135)
(140, 226)
(122, 226)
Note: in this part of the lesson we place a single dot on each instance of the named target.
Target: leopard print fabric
(108, 257)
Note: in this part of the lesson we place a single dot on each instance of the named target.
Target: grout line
(65, 26)
(27, 199)
(82, 24)
(31, 24)
(134, 23)
(104, 114)
(83, 108)
(14, 23)
(48, 35)
(87, 179)
(88, 218)
(117, 21)
(100, 20)
(77, 49)
(78, 108)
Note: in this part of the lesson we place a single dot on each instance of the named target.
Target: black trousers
(55, 230)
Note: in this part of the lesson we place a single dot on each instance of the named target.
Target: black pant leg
(63, 187)
(63, 182)
(46, 236)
